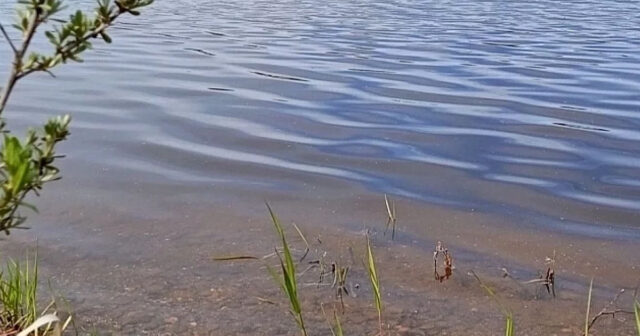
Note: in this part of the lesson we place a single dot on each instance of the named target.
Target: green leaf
(12, 154)
(29, 206)
(105, 37)
(52, 38)
(19, 179)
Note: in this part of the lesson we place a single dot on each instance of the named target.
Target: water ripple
(477, 104)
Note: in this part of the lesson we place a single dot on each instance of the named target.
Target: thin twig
(17, 61)
(17, 73)
(66, 50)
(613, 312)
(608, 312)
(6, 36)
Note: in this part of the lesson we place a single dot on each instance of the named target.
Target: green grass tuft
(19, 313)
(18, 294)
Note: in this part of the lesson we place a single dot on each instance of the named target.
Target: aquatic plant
(336, 326)
(506, 312)
(288, 281)
(340, 282)
(586, 319)
(391, 216)
(374, 280)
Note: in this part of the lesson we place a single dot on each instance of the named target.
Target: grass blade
(288, 282)
(636, 310)
(338, 325)
(391, 216)
(304, 239)
(374, 280)
(509, 329)
(508, 314)
(18, 294)
(586, 319)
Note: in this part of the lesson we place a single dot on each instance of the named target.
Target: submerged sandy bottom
(153, 273)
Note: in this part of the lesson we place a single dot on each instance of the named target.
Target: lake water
(524, 113)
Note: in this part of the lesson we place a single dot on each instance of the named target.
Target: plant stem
(16, 72)
(302, 327)
(17, 60)
(586, 320)
(6, 36)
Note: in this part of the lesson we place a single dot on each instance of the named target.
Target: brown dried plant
(447, 262)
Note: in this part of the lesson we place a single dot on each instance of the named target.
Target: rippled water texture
(527, 109)
(510, 130)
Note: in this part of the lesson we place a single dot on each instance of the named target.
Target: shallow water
(524, 111)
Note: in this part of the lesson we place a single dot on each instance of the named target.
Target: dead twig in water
(304, 239)
(340, 282)
(608, 311)
(263, 300)
(506, 311)
(391, 217)
(238, 257)
(448, 262)
(548, 279)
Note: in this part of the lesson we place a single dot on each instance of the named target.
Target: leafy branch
(25, 166)
(69, 39)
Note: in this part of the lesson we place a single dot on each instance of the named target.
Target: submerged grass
(636, 311)
(287, 281)
(508, 314)
(336, 326)
(340, 274)
(304, 239)
(391, 216)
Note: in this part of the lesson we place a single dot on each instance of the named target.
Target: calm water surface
(527, 109)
